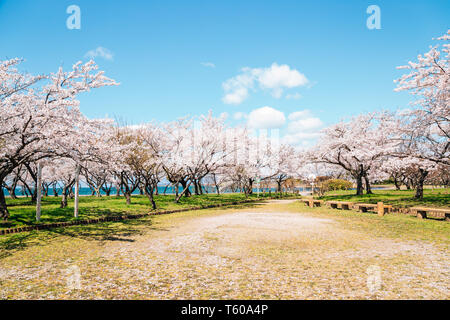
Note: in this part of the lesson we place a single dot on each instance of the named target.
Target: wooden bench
(344, 205)
(422, 212)
(312, 203)
(379, 207)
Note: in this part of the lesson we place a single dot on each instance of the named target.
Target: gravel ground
(267, 252)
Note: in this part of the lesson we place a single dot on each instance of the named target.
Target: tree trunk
(55, 191)
(200, 187)
(12, 189)
(149, 193)
(64, 198)
(12, 194)
(408, 186)
(359, 185)
(127, 197)
(4, 213)
(215, 184)
(186, 189)
(368, 188)
(186, 192)
(250, 189)
(397, 184)
(196, 191)
(419, 192)
(420, 181)
(31, 192)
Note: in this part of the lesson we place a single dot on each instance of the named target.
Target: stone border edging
(119, 218)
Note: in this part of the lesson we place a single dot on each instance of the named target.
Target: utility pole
(77, 190)
(258, 181)
(39, 192)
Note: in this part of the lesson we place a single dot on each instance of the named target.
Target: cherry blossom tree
(425, 129)
(39, 115)
(146, 160)
(11, 182)
(192, 150)
(253, 157)
(61, 170)
(124, 147)
(428, 126)
(356, 146)
(287, 164)
(176, 134)
(208, 149)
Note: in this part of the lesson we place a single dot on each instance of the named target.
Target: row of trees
(408, 146)
(45, 140)
(185, 154)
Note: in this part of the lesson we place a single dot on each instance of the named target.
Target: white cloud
(303, 138)
(299, 115)
(100, 52)
(305, 124)
(239, 116)
(294, 96)
(303, 128)
(266, 118)
(279, 76)
(275, 78)
(236, 96)
(208, 64)
(277, 93)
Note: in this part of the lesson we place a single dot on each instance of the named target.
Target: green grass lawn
(23, 212)
(399, 198)
(394, 225)
(167, 257)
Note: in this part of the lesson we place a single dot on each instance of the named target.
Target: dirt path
(264, 252)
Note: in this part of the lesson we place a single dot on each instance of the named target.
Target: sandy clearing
(263, 252)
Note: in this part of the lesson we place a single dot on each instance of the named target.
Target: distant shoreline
(86, 192)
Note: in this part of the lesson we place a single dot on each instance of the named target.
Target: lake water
(161, 189)
(171, 190)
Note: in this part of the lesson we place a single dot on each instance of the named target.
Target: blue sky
(158, 48)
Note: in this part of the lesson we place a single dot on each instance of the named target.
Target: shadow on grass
(108, 231)
(257, 204)
(22, 211)
(15, 242)
(53, 215)
(122, 230)
(119, 231)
